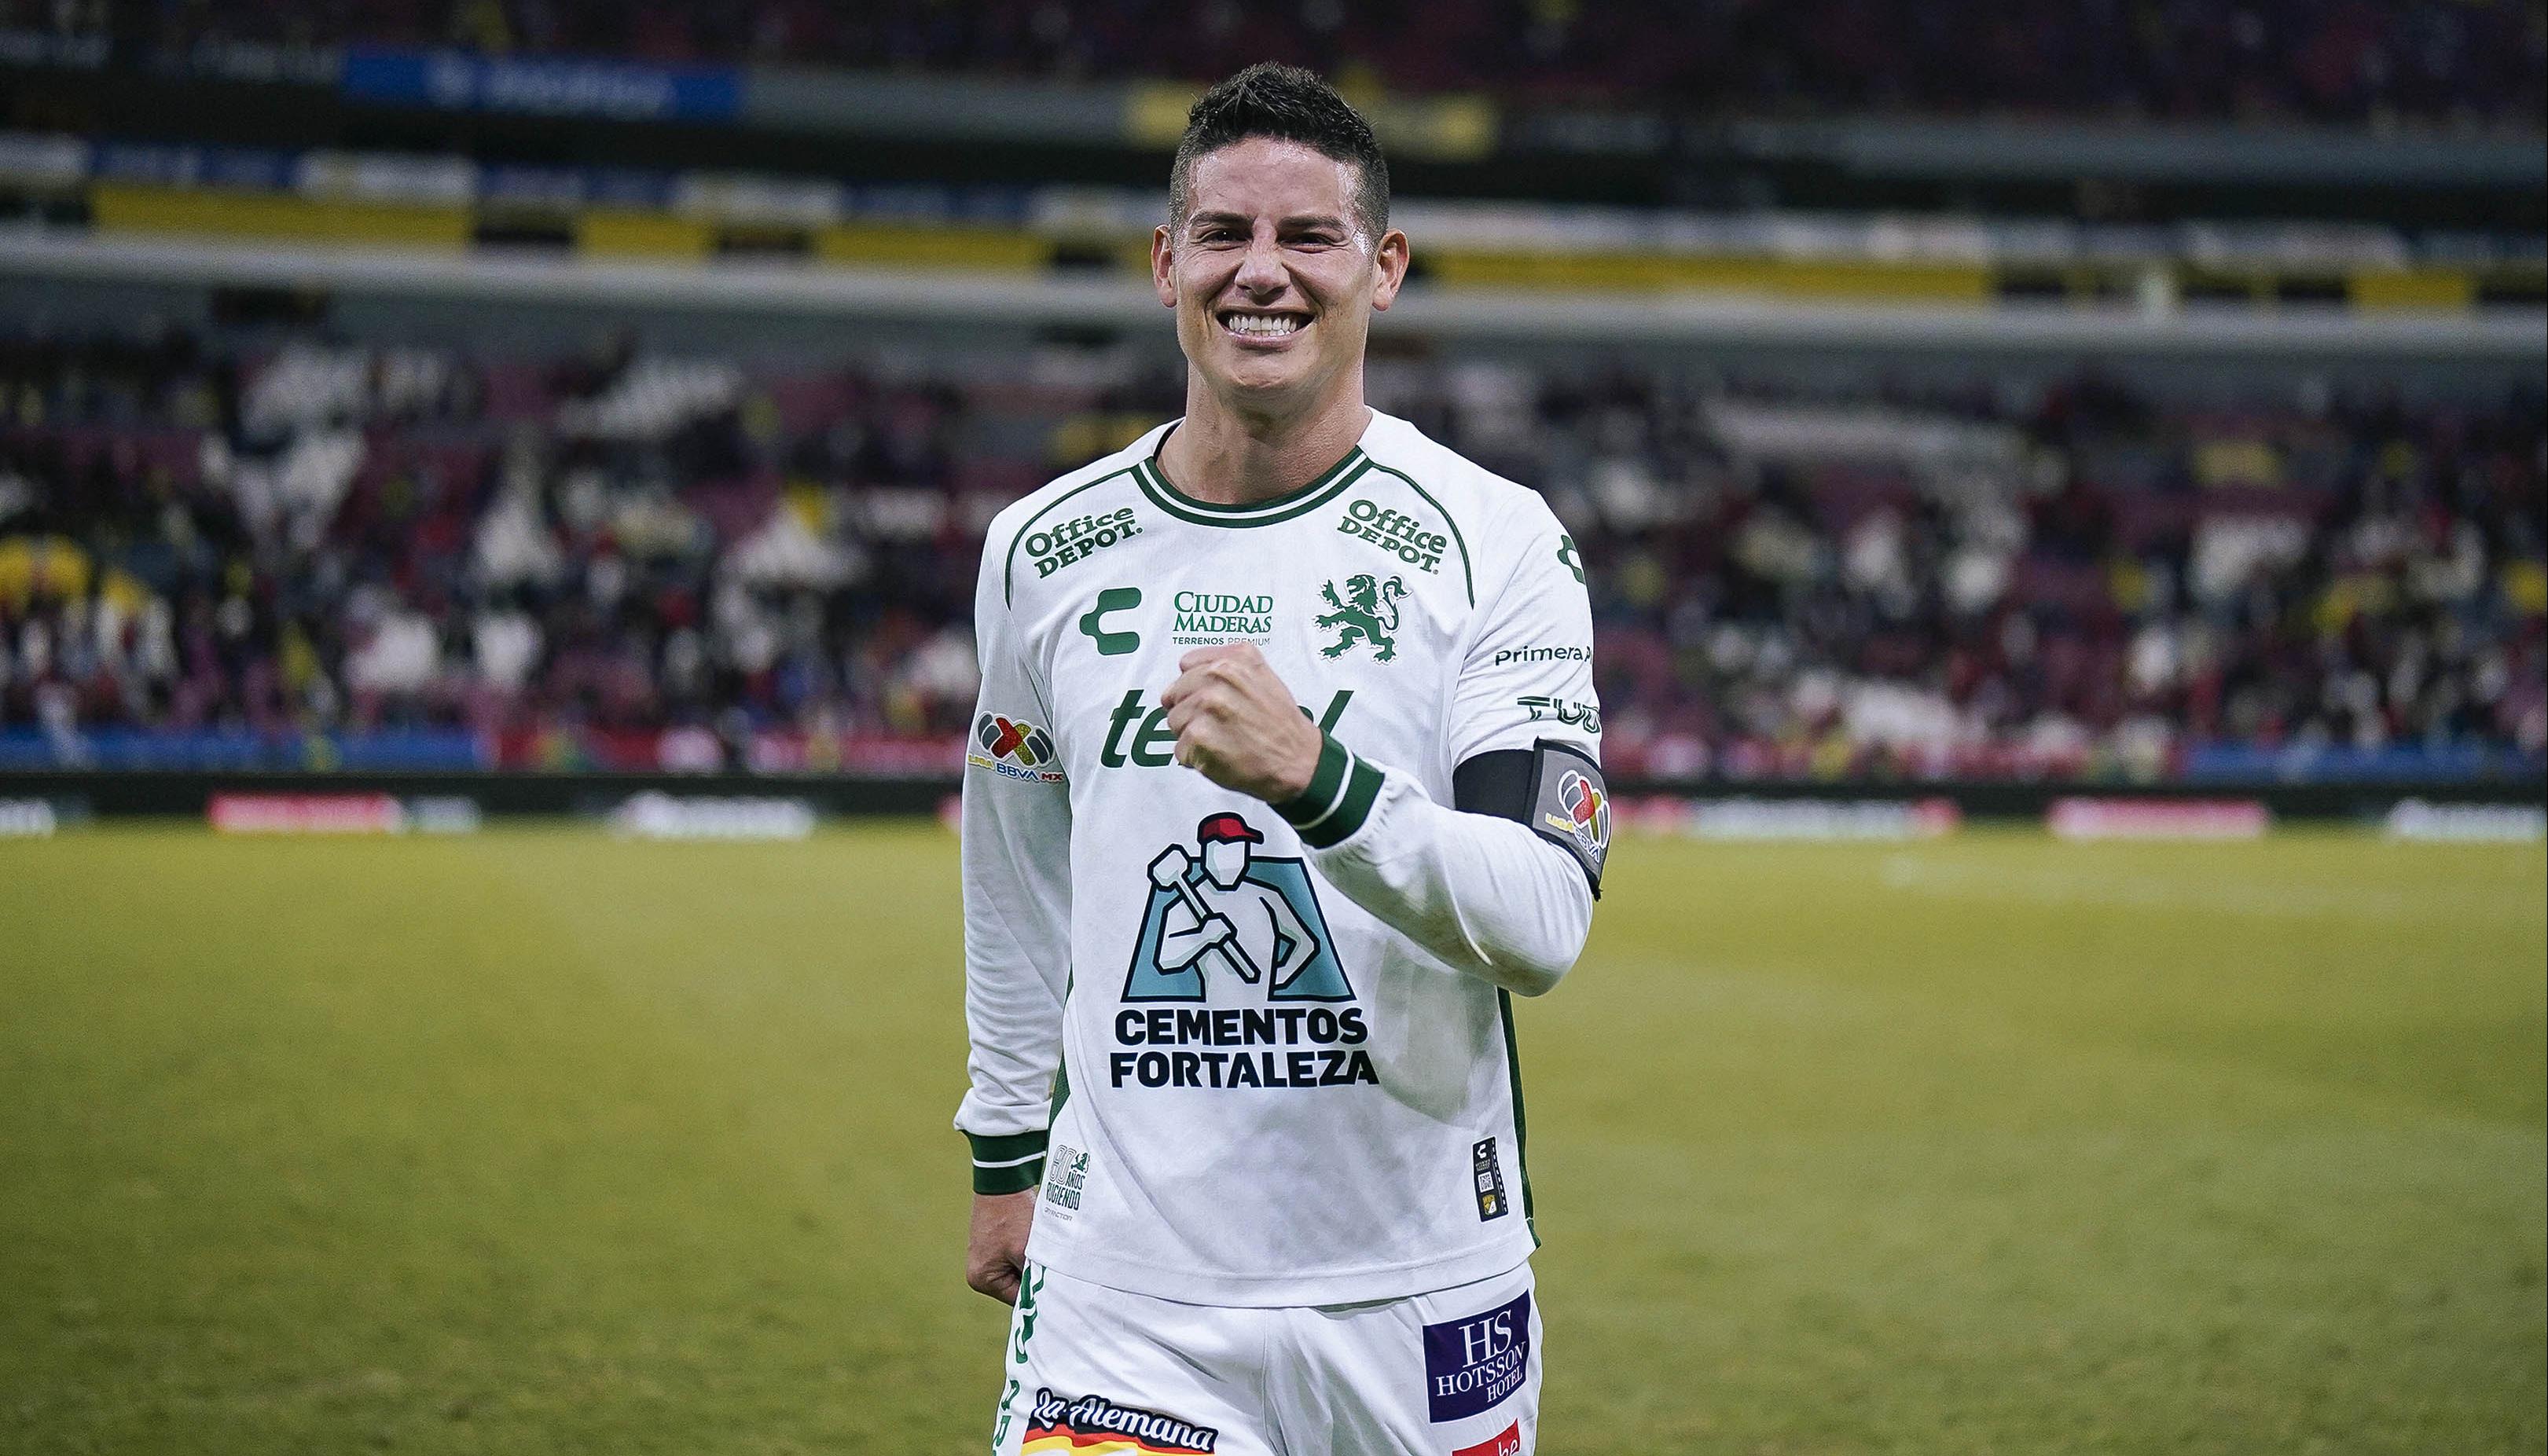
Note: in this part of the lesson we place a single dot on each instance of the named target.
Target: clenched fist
(995, 1251)
(1237, 726)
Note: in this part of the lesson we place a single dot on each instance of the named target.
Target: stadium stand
(1967, 524)
(253, 547)
(448, 205)
(2473, 62)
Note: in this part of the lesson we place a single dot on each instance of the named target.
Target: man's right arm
(1017, 938)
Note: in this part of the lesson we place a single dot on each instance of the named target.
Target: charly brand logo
(1366, 612)
(1209, 619)
(1573, 714)
(1587, 813)
(1092, 622)
(1223, 923)
(1096, 1424)
(1011, 748)
(1408, 538)
(1076, 540)
(1471, 1364)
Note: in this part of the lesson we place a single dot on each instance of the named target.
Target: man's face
(1273, 276)
(1224, 861)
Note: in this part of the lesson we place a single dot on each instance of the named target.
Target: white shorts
(1092, 1371)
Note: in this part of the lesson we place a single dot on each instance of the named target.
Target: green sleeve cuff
(1009, 1164)
(1338, 799)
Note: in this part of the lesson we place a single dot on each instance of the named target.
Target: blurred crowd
(2000, 580)
(616, 556)
(2435, 61)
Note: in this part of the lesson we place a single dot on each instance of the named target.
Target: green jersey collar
(1177, 503)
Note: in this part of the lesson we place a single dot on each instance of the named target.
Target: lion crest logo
(1367, 612)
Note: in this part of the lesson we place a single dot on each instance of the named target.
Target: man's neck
(1226, 457)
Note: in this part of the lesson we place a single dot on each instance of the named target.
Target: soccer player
(1284, 782)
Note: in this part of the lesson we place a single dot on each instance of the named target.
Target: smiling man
(1285, 781)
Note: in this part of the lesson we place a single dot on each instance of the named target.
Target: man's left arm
(1500, 883)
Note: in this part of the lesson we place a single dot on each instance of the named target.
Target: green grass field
(535, 1142)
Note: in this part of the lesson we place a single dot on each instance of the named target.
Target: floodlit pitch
(536, 1141)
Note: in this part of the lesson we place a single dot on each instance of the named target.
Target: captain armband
(1553, 786)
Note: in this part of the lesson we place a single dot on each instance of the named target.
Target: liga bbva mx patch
(1013, 748)
(1570, 805)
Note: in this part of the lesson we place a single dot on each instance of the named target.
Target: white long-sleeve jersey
(1262, 1054)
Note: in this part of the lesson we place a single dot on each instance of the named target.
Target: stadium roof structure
(2506, 336)
(448, 226)
(562, 107)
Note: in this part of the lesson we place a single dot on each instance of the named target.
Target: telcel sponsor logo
(1394, 531)
(1154, 744)
(1568, 654)
(1206, 617)
(1073, 540)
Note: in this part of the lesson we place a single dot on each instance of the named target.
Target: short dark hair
(1288, 104)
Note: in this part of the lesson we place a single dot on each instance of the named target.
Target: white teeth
(1262, 326)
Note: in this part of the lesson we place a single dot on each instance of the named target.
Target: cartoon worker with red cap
(1249, 923)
